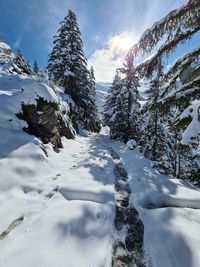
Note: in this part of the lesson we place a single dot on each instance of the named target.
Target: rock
(45, 122)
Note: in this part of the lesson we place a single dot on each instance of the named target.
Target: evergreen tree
(132, 105)
(92, 77)
(114, 90)
(122, 104)
(156, 140)
(114, 115)
(67, 67)
(21, 63)
(35, 67)
(29, 66)
(177, 90)
(179, 26)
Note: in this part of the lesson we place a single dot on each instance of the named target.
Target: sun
(122, 42)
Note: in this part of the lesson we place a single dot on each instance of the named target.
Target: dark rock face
(46, 122)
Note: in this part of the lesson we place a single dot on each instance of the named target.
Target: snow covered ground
(60, 208)
(66, 203)
(169, 209)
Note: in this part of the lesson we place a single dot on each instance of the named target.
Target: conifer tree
(29, 66)
(67, 67)
(21, 63)
(178, 88)
(114, 90)
(35, 67)
(92, 77)
(122, 104)
(132, 105)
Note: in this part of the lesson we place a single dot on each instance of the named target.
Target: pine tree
(114, 90)
(156, 141)
(179, 26)
(178, 88)
(131, 84)
(67, 67)
(114, 115)
(35, 67)
(122, 104)
(21, 63)
(29, 66)
(92, 77)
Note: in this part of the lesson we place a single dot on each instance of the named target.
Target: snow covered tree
(29, 66)
(35, 67)
(92, 77)
(156, 141)
(131, 84)
(67, 67)
(178, 27)
(179, 88)
(122, 104)
(112, 109)
(21, 63)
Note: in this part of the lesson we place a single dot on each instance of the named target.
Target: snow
(67, 202)
(131, 144)
(59, 208)
(15, 90)
(169, 209)
(101, 91)
(193, 129)
(69, 73)
(4, 46)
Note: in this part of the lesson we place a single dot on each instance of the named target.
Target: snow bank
(66, 200)
(193, 129)
(169, 209)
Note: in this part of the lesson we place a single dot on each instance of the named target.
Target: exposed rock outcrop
(46, 122)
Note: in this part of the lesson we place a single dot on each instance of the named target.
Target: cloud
(17, 42)
(105, 61)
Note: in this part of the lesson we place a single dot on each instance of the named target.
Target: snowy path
(67, 204)
(169, 209)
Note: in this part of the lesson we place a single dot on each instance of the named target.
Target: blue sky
(108, 27)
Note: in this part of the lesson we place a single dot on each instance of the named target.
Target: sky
(109, 27)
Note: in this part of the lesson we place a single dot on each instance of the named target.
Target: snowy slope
(169, 209)
(62, 206)
(15, 90)
(58, 209)
(101, 91)
(66, 202)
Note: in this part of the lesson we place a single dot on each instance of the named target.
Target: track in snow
(128, 243)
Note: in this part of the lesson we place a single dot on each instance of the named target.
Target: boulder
(46, 122)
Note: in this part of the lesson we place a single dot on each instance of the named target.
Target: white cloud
(108, 59)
